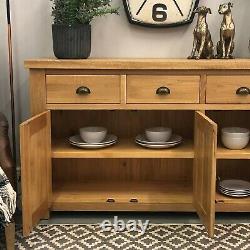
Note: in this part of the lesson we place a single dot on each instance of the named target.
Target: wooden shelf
(125, 148)
(224, 153)
(93, 196)
(228, 204)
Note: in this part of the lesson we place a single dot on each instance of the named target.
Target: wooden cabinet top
(139, 64)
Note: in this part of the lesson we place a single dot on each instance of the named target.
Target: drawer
(83, 89)
(162, 89)
(228, 89)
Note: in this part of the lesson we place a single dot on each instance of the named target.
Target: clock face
(160, 13)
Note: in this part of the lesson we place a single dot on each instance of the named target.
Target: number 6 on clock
(160, 13)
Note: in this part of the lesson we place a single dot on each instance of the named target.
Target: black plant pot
(71, 41)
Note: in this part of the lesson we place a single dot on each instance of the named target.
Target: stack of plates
(78, 142)
(172, 142)
(235, 188)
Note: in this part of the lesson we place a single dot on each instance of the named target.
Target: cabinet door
(35, 169)
(205, 170)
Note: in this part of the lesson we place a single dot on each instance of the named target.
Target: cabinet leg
(10, 236)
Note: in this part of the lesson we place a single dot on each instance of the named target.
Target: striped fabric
(7, 200)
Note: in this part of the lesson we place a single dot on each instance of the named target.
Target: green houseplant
(72, 30)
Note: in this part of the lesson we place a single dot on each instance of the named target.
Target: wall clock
(160, 13)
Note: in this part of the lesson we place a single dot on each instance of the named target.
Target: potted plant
(72, 30)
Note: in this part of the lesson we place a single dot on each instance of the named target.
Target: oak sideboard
(195, 98)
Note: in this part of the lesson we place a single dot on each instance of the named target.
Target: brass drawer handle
(163, 91)
(134, 200)
(110, 200)
(83, 91)
(243, 91)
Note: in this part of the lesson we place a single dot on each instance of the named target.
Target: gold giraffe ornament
(203, 47)
(225, 46)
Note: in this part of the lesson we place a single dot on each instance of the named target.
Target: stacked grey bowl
(234, 188)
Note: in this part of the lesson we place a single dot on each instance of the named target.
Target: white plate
(158, 146)
(76, 139)
(236, 195)
(91, 146)
(173, 140)
(236, 185)
(233, 190)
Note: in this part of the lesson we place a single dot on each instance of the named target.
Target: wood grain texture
(142, 89)
(37, 84)
(79, 195)
(222, 89)
(204, 180)
(10, 236)
(203, 84)
(83, 180)
(35, 169)
(104, 89)
(124, 124)
(233, 169)
(228, 204)
(123, 89)
(224, 153)
(148, 106)
(140, 64)
(125, 148)
(124, 207)
(119, 170)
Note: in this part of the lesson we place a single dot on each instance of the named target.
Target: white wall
(4, 87)
(112, 36)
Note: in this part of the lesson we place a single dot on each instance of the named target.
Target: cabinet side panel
(37, 91)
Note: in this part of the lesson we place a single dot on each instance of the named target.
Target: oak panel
(142, 89)
(129, 170)
(228, 204)
(80, 196)
(205, 170)
(104, 89)
(222, 89)
(140, 64)
(35, 169)
(37, 89)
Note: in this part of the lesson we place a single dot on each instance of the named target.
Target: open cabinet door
(205, 170)
(35, 169)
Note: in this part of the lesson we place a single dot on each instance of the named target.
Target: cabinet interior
(230, 118)
(141, 177)
(123, 123)
(233, 169)
(231, 164)
(125, 171)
